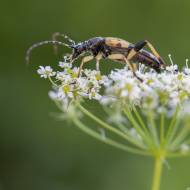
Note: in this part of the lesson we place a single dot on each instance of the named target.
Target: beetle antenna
(58, 34)
(28, 52)
(170, 57)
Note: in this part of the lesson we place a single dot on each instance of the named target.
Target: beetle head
(78, 49)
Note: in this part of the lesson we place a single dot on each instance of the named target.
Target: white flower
(93, 94)
(187, 71)
(65, 64)
(46, 71)
(172, 68)
(60, 76)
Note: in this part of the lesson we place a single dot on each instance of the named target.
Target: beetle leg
(67, 57)
(140, 45)
(155, 53)
(98, 65)
(116, 57)
(84, 60)
(122, 57)
(133, 69)
(98, 57)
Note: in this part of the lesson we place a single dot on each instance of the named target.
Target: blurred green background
(36, 151)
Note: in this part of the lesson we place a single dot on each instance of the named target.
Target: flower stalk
(158, 165)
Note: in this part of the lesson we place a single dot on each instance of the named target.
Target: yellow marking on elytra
(116, 42)
(116, 57)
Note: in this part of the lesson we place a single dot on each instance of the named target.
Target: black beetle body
(115, 49)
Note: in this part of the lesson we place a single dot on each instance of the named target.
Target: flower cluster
(160, 92)
(125, 98)
(67, 85)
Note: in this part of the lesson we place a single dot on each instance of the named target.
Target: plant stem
(153, 129)
(162, 130)
(106, 140)
(109, 127)
(52, 82)
(139, 118)
(127, 112)
(157, 172)
(172, 127)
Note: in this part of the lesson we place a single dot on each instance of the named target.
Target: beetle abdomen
(149, 61)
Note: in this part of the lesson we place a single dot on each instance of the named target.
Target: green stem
(106, 140)
(139, 118)
(134, 123)
(173, 133)
(157, 173)
(52, 82)
(153, 129)
(123, 128)
(109, 127)
(162, 130)
(180, 137)
(172, 127)
(140, 130)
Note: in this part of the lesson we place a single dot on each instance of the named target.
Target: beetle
(112, 48)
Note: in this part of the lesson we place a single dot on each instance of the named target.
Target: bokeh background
(38, 152)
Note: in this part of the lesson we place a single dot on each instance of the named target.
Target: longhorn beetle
(115, 49)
